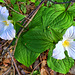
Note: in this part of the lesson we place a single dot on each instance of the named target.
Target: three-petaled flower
(7, 30)
(67, 43)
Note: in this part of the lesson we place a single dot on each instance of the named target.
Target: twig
(61, 2)
(4, 44)
(19, 8)
(13, 68)
(13, 9)
(15, 65)
(35, 67)
(4, 51)
(7, 71)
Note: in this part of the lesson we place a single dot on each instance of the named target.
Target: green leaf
(13, 1)
(37, 40)
(37, 20)
(61, 66)
(22, 0)
(71, 10)
(57, 18)
(16, 7)
(2, 1)
(23, 8)
(32, 1)
(37, 2)
(73, 23)
(58, 0)
(55, 35)
(24, 55)
(17, 17)
(66, 4)
(17, 26)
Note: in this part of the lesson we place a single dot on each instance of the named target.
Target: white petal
(70, 33)
(2, 25)
(3, 13)
(9, 33)
(71, 49)
(2, 18)
(0, 8)
(58, 52)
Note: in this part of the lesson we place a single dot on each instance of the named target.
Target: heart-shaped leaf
(25, 55)
(55, 17)
(61, 66)
(37, 40)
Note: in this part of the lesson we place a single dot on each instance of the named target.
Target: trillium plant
(67, 43)
(52, 29)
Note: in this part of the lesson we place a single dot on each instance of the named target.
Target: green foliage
(2, 1)
(17, 7)
(45, 30)
(54, 35)
(37, 40)
(23, 8)
(25, 55)
(67, 4)
(17, 26)
(37, 20)
(58, 0)
(17, 17)
(57, 18)
(71, 10)
(54, 17)
(61, 66)
(22, 0)
(37, 2)
(48, 3)
(13, 1)
(32, 1)
(73, 23)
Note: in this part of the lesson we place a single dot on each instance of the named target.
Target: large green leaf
(24, 55)
(71, 10)
(57, 18)
(37, 40)
(61, 66)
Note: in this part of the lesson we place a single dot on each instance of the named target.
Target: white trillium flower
(67, 43)
(7, 30)
(3, 13)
